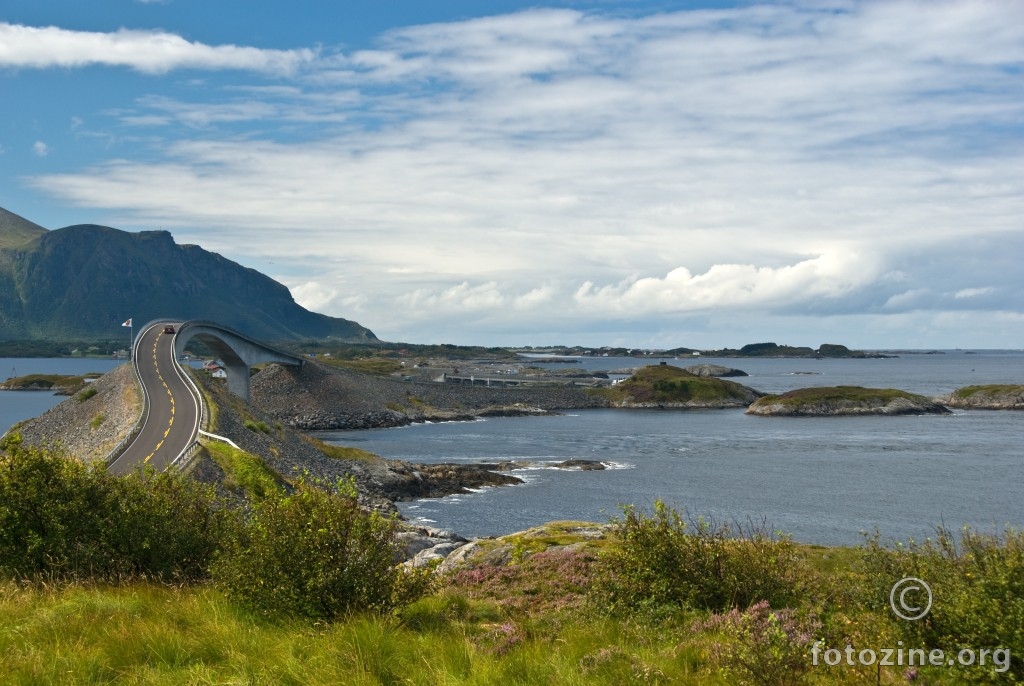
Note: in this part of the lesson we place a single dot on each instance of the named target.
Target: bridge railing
(183, 457)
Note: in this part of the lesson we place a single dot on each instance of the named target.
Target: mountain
(81, 282)
(16, 231)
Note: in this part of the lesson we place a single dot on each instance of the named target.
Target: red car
(169, 328)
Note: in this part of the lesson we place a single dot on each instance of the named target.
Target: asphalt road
(172, 421)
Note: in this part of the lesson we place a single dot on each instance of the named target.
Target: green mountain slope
(16, 231)
(83, 281)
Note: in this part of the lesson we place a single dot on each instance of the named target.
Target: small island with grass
(61, 384)
(666, 386)
(832, 401)
(988, 397)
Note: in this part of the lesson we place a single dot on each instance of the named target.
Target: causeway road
(171, 423)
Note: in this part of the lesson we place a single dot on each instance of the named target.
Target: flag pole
(131, 335)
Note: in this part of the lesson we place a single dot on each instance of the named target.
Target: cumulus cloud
(152, 52)
(556, 166)
(40, 149)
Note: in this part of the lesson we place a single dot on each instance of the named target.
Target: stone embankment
(321, 398)
(92, 422)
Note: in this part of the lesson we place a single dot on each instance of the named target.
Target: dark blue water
(822, 480)
(16, 406)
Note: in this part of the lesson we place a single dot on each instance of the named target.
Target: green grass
(533, 622)
(151, 634)
(340, 452)
(244, 470)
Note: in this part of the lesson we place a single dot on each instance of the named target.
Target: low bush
(63, 520)
(316, 554)
(977, 591)
(763, 647)
(664, 563)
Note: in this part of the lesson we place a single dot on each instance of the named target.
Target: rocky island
(833, 401)
(668, 387)
(988, 397)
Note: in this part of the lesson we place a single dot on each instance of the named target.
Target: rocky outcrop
(988, 397)
(715, 370)
(833, 401)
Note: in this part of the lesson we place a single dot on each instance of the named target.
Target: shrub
(316, 554)
(61, 519)
(977, 585)
(663, 562)
(255, 426)
(763, 647)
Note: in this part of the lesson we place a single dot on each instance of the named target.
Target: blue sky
(648, 174)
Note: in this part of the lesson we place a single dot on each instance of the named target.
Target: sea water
(826, 480)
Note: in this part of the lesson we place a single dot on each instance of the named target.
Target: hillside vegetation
(305, 591)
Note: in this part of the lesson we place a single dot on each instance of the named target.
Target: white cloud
(972, 292)
(40, 149)
(153, 52)
(557, 168)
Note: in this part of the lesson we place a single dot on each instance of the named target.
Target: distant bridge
(172, 412)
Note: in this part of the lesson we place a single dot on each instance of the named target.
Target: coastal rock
(988, 397)
(833, 401)
(715, 370)
(518, 546)
(582, 465)
(433, 542)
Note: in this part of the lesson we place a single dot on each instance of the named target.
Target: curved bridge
(237, 351)
(172, 413)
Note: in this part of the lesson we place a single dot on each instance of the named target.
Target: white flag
(128, 323)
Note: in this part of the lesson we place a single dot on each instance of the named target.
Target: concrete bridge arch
(237, 351)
